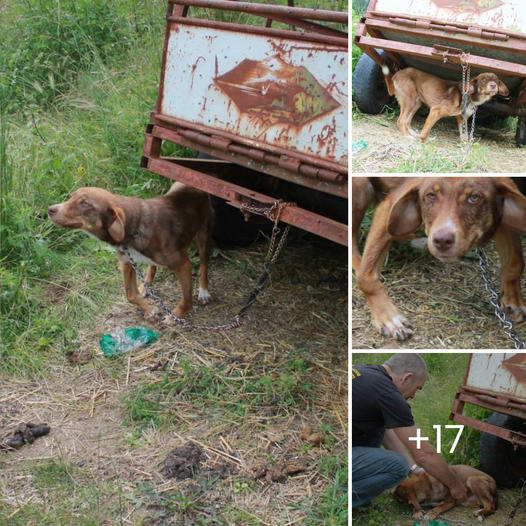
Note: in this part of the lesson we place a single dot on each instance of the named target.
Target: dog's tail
(388, 79)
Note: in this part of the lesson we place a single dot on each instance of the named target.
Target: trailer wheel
(230, 227)
(369, 89)
(497, 456)
(520, 135)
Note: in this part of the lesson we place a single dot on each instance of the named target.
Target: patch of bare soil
(447, 304)
(387, 147)
(202, 463)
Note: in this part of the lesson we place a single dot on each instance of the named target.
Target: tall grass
(77, 83)
(46, 43)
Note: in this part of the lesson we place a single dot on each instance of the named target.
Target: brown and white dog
(423, 489)
(458, 214)
(413, 88)
(156, 231)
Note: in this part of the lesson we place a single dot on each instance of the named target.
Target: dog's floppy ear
(404, 216)
(472, 86)
(116, 224)
(514, 207)
(503, 89)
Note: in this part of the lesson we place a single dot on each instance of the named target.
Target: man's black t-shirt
(377, 405)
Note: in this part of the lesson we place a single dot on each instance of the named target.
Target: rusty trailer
(264, 102)
(497, 382)
(439, 36)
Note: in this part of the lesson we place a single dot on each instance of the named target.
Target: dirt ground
(447, 304)
(386, 147)
(304, 307)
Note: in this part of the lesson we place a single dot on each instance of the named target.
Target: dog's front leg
(512, 266)
(418, 513)
(441, 508)
(150, 274)
(132, 292)
(385, 315)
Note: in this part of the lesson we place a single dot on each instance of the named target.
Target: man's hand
(458, 492)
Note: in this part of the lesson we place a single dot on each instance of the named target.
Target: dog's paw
(204, 296)
(479, 515)
(153, 315)
(431, 515)
(515, 313)
(167, 321)
(396, 327)
(418, 515)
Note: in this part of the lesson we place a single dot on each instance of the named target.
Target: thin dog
(156, 231)
(458, 214)
(413, 88)
(424, 489)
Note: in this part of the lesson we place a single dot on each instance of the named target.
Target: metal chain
(466, 73)
(456, 521)
(516, 507)
(507, 325)
(273, 212)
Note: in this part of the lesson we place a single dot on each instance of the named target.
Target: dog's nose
(443, 240)
(52, 210)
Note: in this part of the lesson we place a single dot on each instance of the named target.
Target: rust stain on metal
(274, 91)
(468, 6)
(516, 365)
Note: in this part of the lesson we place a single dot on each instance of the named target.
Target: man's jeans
(373, 471)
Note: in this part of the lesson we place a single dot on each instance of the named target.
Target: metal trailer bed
(266, 106)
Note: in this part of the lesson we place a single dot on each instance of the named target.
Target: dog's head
(485, 86)
(92, 210)
(458, 213)
(412, 488)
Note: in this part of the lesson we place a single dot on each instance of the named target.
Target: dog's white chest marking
(136, 256)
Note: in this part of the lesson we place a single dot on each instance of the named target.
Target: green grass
(65, 498)
(426, 158)
(230, 397)
(332, 508)
(86, 129)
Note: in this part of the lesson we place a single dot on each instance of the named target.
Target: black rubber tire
(497, 457)
(520, 134)
(230, 227)
(368, 85)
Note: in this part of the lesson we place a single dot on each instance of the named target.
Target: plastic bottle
(122, 340)
(358, 145)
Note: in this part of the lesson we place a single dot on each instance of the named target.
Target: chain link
(466, 74)
(507, 325)
(273, 213)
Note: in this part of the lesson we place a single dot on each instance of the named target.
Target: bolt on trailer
(260, 91)
(497, 382)
(439, 37)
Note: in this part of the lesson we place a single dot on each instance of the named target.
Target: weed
(426, 158)
(205, 387)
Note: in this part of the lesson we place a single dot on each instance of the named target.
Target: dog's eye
(473, 198)
(431, 197)
(85, 204)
